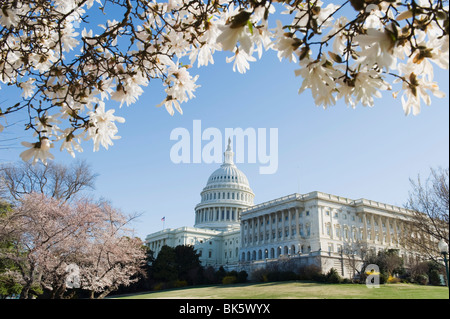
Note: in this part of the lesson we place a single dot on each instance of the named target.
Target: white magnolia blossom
(103, 129)
(241, 59)
(28, 88)
(320, 77)
(69, 64)
(37, 151)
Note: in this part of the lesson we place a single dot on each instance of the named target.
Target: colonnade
(275, 226)
(221, 213)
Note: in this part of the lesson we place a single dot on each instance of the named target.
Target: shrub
(308, 272)
(347, 281)
(434, 278)
(228, 280)
(393, 280)
(159, 286)
(383, 278)
(288, 275)
(260, 275)
(421, 279)
(242, 276)
(333, 276)
(180, 283)
(319, 277)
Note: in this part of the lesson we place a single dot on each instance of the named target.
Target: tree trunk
(104, 294)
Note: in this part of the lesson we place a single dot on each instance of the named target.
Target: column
(394, 224)
(372, 227)
(388, 231)
(364, 226)
(297, 221)
(331, 222)
(243, 235)
(266, 229)
(290, 223)
(272, 226)
(276, 226)
(380, 230)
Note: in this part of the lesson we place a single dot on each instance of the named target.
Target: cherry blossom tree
(50, 236)
(67, 68)
(112, 257)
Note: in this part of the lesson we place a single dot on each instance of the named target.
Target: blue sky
(357, 153)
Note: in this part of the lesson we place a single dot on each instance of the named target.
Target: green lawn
(301, 290)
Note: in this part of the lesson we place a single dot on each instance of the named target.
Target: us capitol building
(314, 228)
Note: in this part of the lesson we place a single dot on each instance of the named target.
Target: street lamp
(443, 249)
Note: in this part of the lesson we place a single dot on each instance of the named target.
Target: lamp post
(443, 249)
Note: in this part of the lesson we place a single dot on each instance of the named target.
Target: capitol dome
(225, 195)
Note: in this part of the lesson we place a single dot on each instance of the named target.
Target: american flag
(163, 219)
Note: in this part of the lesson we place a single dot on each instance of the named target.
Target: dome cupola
(226, 193)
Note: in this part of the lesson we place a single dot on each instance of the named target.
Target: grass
(298, 290)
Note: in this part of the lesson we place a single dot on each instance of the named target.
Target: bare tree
(429, 202)
(54, 180)
(355, 253)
